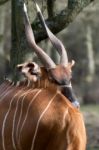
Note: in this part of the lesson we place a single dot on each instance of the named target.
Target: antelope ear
(71, 64)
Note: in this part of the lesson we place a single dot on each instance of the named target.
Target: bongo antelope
(40, 118)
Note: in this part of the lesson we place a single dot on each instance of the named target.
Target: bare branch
(50, 8)
(61, 20)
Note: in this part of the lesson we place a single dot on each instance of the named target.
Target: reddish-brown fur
(60, 128)
(37, 116)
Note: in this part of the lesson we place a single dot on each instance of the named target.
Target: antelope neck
(68, 92)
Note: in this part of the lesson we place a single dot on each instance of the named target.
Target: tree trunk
(2, 19)
(19, 44)
(90, 54)
(2, 53)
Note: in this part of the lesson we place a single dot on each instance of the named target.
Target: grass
(92, 148)
(90, 108)
(91, 116)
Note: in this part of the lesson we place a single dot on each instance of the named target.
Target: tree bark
(51, 8)
(2, 59)
(2, 18)
(19, 45)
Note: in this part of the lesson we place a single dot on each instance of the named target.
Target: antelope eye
(30, 65)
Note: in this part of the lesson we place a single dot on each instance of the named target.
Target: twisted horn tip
(25, 8)
(37, 7)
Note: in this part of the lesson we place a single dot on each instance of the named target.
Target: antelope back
(38, 119)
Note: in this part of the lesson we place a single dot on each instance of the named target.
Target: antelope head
(61, 73)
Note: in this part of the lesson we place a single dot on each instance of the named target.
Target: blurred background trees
(5, 37)
(80, 37)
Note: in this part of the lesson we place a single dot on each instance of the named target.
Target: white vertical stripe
(5, 93)
(19, 119)
(20, 116)
(27, 113)
(33, 141)
(2, 85)
(13, 140)
(5, 118)
(28, 84)
(64, 118)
